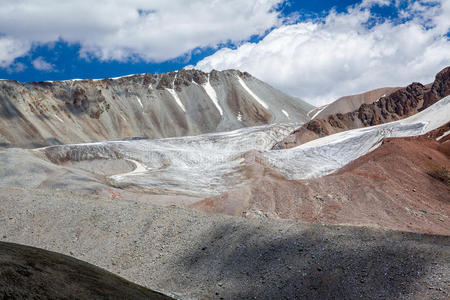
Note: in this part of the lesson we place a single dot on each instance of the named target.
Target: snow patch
(444, 135)
(59, 119)
(177, 99)
(139, 100)
(285, 113)
(239, 117)
(384, 95)
(259, 100)
(318, 112)
(212, 95)
(129, 75)
(138, 170)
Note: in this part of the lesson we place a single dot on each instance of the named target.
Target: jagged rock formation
(34, 273)
(400, 104)
(186, 102)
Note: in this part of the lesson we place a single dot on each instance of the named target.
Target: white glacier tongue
(328, 154)
(197, 165)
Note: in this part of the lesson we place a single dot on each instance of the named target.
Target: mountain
(186, 102)
(228, 214)
(350, 103)
(401, 103)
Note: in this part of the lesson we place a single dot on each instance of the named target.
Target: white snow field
(211, 164)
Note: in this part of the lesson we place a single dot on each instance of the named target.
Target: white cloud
(42, 65)
(320, 61)
(10, 49)
(154, 30)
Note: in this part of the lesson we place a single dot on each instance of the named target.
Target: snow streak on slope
(318, 112)
(259, 100)
(212, 94)
(140, 102)
(177, 99)
(326, 155)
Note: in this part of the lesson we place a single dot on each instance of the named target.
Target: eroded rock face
(179, 103)
(400, 104)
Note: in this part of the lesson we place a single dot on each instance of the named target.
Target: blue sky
(68, 64)
(78, 39)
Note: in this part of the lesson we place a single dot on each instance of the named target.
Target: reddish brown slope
(400, 104)
(402, 185)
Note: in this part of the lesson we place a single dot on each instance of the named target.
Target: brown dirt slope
(403, 184)
(33, 273)
(400, 104)
(350, 103)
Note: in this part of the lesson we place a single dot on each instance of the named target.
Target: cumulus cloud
(154, 30)
(340, 54)
(42, 65)
(10, 49)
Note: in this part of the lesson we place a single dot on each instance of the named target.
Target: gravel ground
(199, 256)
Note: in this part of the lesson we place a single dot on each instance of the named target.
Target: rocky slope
(33, 273)
(403, 184)
(186, 102)
(201, 256)
(400, 104)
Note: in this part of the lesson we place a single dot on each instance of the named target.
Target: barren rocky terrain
(202, 256)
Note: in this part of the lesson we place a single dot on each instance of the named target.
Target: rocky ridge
(186, 102)
(400, 104)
